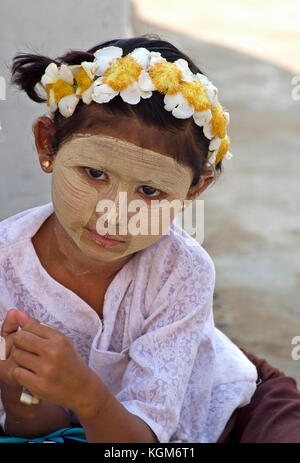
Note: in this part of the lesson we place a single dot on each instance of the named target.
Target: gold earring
(46, 164)
(182, 207)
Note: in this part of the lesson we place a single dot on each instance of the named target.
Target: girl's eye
(94, 173)
(149, 191)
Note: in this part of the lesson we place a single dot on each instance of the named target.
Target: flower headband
(136, 76)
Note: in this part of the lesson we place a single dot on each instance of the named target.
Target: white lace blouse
(157, 348)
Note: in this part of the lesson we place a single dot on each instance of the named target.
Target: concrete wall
(50, 28)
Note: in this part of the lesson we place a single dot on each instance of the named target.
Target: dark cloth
(272, 416)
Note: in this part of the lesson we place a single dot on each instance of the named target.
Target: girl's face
(90, 168)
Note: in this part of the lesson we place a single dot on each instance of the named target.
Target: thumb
(22, 318)
(10, 324)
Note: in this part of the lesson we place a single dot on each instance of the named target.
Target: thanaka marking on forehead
(169, 172)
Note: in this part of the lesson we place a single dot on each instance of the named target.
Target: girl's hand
(10, 388)
(9, 329)
(48, 365)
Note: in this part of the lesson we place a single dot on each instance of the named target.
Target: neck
(61, 250)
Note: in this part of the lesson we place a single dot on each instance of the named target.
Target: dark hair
(189, 147)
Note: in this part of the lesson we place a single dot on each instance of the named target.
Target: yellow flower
(196, 95)
(83, 81)
(122, 73)
(223, 149)
(218, 121)
(166, 77)
(60, 88)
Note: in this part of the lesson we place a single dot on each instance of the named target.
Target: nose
(119, 207)
(117, 214)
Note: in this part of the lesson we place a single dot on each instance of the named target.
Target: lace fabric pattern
(157, 348)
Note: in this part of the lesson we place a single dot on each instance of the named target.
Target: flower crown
(136, 76)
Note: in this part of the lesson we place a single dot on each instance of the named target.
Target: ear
(44, 131)
(207, 177)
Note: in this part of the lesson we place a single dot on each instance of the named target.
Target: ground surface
(252, 220)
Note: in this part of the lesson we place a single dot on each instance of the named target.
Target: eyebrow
(166, 183)
(162, 183)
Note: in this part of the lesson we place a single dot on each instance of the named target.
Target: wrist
(93, 399)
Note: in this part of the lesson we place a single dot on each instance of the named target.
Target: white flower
(202, 117)
(187, 75)
(52, 103)
(104, 57)
(214, 145)
(145, 82)
(228, 156)
(155, 57)
(212, 91)
(172, 101)
(132, 94)
(86, 96)
(178, 105)
(207, 130)
(227, 117)
(211, 160)
(90, 68)
(52, 74)
(142, 56)
(67, 105)
(102, 93)
(207, 126)
(74, 68)
(183, 110)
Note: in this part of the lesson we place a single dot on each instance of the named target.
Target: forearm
(34, 420)
(105, 419)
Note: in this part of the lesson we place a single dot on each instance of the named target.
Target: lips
(109, 237)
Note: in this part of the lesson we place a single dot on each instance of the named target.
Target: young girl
(116, 333)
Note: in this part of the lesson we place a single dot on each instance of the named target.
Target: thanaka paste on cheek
(75, 197)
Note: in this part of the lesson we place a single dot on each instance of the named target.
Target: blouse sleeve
(178, 325)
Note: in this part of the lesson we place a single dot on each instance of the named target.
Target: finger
(10, 324)
(22, 317)
(27, 360)
(8, 344)
(30, 342)
(35, 327)
(27, 379)
(6, 371)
